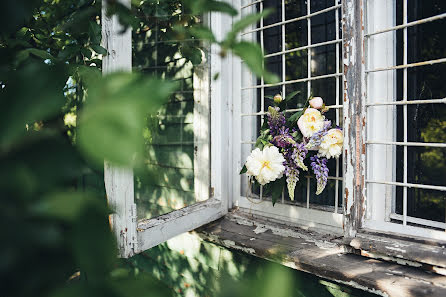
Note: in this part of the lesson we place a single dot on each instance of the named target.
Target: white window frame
(135, 235)
(363, 209)
(380, 38)
(244, 130)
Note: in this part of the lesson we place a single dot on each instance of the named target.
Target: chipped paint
(354, 119)
(364, 288)
(233, 245)
(286, 232)
(390, 259)
(259, 230)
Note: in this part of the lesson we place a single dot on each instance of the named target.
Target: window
(406, 117)
(302, 45)
(189, 188)
(378, 65)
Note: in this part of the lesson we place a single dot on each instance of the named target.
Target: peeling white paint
(361, 287)
(232, 244)
(259, 230)
(395, 249)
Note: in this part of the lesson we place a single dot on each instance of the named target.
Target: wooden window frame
(133, 235)
(225, 163)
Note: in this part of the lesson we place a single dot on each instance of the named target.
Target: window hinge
(211, 192)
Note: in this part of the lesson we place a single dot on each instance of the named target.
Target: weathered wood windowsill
(324, 255)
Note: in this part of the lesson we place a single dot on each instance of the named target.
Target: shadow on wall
(192, 267)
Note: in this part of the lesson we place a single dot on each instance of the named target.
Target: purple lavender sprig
(320, 169)
(276, 120)
(283, 139)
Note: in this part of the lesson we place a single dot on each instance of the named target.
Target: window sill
(415, 251)
(324, 255)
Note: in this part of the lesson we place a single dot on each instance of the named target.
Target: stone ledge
(320, 254)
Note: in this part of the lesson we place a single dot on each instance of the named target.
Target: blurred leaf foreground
(60, 119)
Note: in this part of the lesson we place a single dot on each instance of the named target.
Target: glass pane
(167, 179)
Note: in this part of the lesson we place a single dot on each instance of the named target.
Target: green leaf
(69, 51)
(242, 24)
(24, 54)
(291, 95)
(93, 244)
(202, 32)
(86, 52)
(94, 31)
(244, 169)
(276, 189)
(198, 7)
(220, 6)
(63, 205)
(35, 93)
(295, 117)
(252, 54)
(99, 49)
(193, 54)
(113, 120)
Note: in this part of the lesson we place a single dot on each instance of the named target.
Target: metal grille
(302, 45)
(396, 100)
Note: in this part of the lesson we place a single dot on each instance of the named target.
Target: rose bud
(277, 99)
(317, 102)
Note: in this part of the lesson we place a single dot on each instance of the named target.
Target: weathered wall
(193, 267)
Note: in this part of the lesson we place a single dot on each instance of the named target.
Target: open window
(182, 185)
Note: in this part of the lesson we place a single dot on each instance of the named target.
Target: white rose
(331, 145)
(310, 122)
(266, 166)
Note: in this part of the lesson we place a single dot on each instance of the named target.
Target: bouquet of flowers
(283, 145)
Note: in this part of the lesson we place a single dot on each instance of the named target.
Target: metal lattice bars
(307, 16)
(411, 65)
(310, 77)
(288, 111)
(375, 73)
(337, 40)
(407, 25)
(408, 102)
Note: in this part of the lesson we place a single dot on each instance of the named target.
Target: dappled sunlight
(193, 267)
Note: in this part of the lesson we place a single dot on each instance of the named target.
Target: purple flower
(283, 138)
(276, 120)
(320, 169)
(316, 139)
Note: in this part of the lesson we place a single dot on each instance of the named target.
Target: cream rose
(266, 166)
(310, 122)
(331, 144)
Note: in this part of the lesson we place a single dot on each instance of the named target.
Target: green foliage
(57, 239)
(111, 126)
